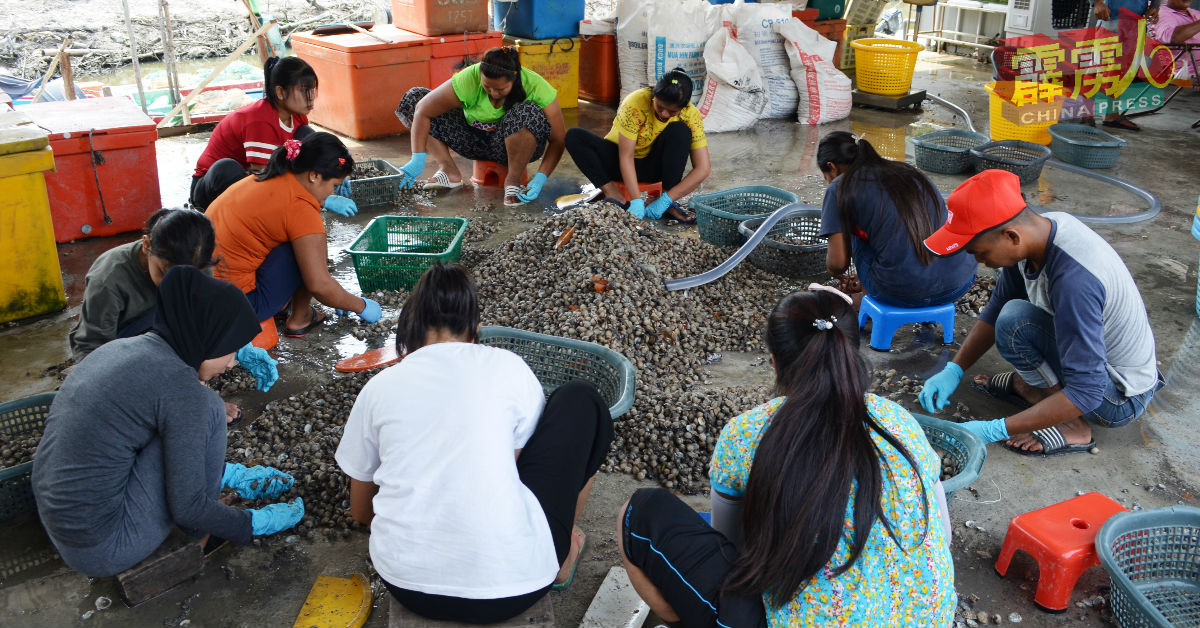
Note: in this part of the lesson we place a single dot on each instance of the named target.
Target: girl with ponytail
(826, 503)
(877, 213)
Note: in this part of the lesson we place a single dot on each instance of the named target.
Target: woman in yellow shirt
(655, 132)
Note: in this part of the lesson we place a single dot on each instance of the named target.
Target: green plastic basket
(947, 151)
(1085, 146)
(376, 191)
(394, 251)
(1153, 559)
(718, 215)
(963, 447)
(557, 360)
(20, 417)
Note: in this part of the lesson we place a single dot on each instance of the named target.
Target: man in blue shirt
(1065, 313)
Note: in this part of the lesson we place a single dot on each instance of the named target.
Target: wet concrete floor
(264, 584)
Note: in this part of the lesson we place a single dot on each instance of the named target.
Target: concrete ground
(1150, 464)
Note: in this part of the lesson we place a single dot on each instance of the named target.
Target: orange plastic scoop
(374, 358)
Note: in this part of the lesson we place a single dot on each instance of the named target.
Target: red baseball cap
(987, 199)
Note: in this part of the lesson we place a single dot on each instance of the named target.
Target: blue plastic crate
(538, 19)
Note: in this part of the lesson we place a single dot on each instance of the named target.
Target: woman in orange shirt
(271, 239)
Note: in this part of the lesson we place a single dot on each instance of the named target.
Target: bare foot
(1025, 391)
(1076, 431)
(232, 412)
(577, 539)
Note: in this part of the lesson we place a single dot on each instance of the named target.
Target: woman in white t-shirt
(468, 477)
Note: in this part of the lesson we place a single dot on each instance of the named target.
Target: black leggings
(222, 174)
(597, 158)
(566, 449)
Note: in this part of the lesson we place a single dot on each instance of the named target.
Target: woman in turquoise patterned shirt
(833, 516)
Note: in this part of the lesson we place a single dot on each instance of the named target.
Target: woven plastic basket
(718, 215)
(394, 251)
(16, 418)
(885, 66)
(791, 248)
(376, 191)
(864, 12)
(1025, 159)
(965, 448)
(1085, 146)
(947, 151)
(557, 360)
(1012, 117)
(1153, 559)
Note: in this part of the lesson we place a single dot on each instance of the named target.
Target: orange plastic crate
(601, 82)
(441, 17)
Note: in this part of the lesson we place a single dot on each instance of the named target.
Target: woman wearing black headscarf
(134, 444)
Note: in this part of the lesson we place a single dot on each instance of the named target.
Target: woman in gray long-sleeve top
(135, 443)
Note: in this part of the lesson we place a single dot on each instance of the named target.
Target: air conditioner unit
(1028, 17)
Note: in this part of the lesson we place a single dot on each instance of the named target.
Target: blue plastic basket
(719, 215)
(947, 151)
(20, 417)
(965, 448)
(1153, 559)
(1085, 146)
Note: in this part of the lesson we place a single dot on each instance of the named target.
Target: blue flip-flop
(566, 584)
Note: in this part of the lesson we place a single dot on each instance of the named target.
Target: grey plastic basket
(964, 447)
(1153, 559)
(1085, 146)
(791, 248)
(1025, 159)
(556, 360)
(719, 215)
(376, 191)
(947, 151)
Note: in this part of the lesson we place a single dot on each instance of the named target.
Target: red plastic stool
(491, 173)
(649, 189)
(1061, 538)
(268, 337)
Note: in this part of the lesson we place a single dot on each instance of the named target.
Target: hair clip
(341, 161)
(846, 297)
(293, 149)
(824, 325)
(674, 81)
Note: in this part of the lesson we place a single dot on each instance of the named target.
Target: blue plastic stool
(886, 319)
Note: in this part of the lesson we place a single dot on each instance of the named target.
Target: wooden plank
(68, 76)
(616, 605)
(179, 558)
(137, 67)
(53, 67)
(540, 615)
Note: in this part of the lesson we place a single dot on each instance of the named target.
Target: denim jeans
(1025, 338)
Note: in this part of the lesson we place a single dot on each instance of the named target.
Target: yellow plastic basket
(1021, 120)
(885, 66)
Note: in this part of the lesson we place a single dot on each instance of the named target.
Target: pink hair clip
(341, 161)
(817, 286)
(293, 149)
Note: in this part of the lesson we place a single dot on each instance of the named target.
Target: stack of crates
(861, 18)
(833, 29)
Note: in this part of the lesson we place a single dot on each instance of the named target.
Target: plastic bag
(824, 90)
(733, 96)
(754, 22)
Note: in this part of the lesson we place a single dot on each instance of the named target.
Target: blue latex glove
(989, 431)
(659, 207)
(256, 482)
(535, 188)
(276, 517)
(341, 205)
(935, 394)
(371, 311)
(637, 207)
(343, 188)
(411, 170)
(260, 364)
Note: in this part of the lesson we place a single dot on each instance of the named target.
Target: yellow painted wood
(336, 603)
(30, 278)
(22, 139)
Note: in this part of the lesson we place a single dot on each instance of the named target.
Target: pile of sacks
(747, 60)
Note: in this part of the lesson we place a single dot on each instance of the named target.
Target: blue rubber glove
(637, 207)
(341, 205)
(371, 311)
(260, 364)
(989, 431)
(659, 207)
(411, 170)
(256, 482)
(535, 188)
(935, 394)
(343, 188)
(276, 517)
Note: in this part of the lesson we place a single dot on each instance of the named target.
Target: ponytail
(504, 62)
(287, 73)
(914, 197)
(322, 153)
(817, 446)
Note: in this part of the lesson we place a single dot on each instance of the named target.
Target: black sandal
(1000, 386)
(317, 319)
(1122, 122)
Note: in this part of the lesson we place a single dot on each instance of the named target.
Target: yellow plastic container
(1023, 110)
(885, 66)
(30, 278)
(556, 60)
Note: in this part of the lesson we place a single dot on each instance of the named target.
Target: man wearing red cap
(1065, 313)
